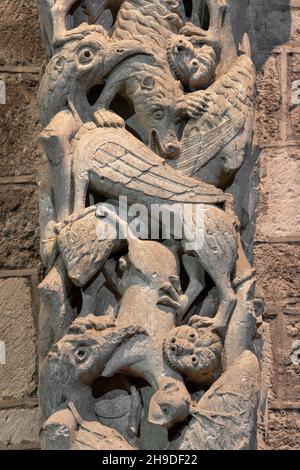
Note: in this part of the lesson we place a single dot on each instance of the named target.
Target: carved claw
(172, 296)
(91, 321)
(61, 41)
(198, 322)
(189, 29)
(199, 36)
(175, 282)
(197, 103)
(106, 118)
(179, 307)
(61, 37)
(172, 288)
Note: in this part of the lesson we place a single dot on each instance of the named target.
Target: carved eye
(195, 63)
(86, 56)
(158, 115)
(81, 355)
(148, 83)
(165, 410)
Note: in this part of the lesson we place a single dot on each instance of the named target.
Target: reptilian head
(80, 357)
(78, 66)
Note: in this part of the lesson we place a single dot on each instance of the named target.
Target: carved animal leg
(218, 256)
(227, 304)
(59, 12)
(244, 271)
(81, 182)
(89, 295)
(171, 291)
(54, 297)
(55, 140)
(216, 10)
(227, 299)
(135, 411)
(196, 275)
(47, 218)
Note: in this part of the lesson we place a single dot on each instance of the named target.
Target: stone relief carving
(144, 336)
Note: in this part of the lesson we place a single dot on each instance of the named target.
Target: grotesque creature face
(194, 66)
(79, 354)
(193, 353)
(166, 121)
(160, 107)
(170, 404)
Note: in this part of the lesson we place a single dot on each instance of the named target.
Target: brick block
(17, 331)
(279, 208)
(20, 36)
(278, 273)
(19, 428)
(19, 227)
(20, 153)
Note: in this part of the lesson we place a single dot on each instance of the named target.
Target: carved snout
(167, 147)
(172, 150)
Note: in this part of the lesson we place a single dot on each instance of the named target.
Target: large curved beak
(119, 51)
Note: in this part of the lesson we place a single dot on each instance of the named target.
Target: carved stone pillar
(148, 325)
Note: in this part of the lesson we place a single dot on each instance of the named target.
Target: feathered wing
(122, 165)
(229, 101)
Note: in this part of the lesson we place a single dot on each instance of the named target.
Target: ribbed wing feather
(122, 165)
(230, 100)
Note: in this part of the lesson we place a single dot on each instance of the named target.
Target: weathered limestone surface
(21, 57)
(19, 152)
(153, 104)
(18, 375)
(277, 229)
(270, 24)
(19, 226)
(19, 428)
(19, 34)
(279, 212)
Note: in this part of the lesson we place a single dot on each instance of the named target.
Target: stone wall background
(275, 36)
(21, 59)
(274, 27)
